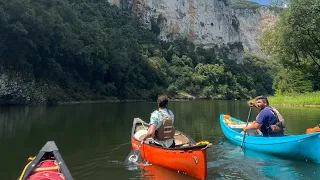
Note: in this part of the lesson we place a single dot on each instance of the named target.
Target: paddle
(246, 126)
(134, 156)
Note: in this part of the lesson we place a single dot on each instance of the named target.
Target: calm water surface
(94, 140)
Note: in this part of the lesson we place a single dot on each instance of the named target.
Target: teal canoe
(304, 146)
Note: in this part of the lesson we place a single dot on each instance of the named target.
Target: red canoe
(187, 157)
(47, 165)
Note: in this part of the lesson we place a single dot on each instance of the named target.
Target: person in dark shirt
(267, 121)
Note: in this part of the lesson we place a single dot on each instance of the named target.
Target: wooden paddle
(134, 156)
(245, 132)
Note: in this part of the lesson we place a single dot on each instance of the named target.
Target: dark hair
(265, 99)
(162, 101)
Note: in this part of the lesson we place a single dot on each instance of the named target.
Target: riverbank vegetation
(295, 99)
(244, 4)
(293, 42)
(94, 50)
(91, 50)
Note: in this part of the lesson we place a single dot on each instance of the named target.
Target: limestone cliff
(252, 23)
(206, 23)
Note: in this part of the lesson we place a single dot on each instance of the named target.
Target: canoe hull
(158, 173)
(188, 160)
(306, 146)
(191, 162)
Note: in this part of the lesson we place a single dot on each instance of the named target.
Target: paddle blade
(133, 157)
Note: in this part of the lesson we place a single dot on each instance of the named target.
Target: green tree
(294, 40)
(288, 81)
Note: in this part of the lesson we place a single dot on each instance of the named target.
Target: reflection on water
(94, 140)
(233, 163)
(159, 173)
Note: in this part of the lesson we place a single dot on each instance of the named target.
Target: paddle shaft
(245, 132)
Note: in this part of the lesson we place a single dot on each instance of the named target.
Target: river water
(94, 139)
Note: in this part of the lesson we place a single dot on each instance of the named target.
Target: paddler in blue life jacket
(269, 121)
(161, 127)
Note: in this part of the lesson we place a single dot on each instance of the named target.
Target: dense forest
(294, 42)
(94, 50)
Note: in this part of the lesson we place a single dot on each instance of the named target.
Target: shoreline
(116, 100)
(120, 101)
(298, 105)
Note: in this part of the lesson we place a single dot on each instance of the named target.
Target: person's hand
(245, 129)
(275, 128)
(251, 104)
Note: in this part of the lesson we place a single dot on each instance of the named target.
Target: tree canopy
(93, 50)
(294, 39)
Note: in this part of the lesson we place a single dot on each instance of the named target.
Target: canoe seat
(139, 133)
(181, 140)
(178, 142)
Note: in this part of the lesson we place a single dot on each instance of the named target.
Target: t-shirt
(267, 118)
(156, 120)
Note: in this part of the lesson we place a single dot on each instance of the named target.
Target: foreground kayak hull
(48, 164)
(304, 147)
(190, 160)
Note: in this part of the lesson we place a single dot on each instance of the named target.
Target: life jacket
(280, 121)
(166, 130)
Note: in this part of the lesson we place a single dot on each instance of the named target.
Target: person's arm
(258, 123)
(150, 133)
(154, 120)
(254, 125)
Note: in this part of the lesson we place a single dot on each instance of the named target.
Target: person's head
(162, 101)
(262, 102)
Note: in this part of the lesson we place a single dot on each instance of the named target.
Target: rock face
(252, 23)
(13, 89)
(18, 89)
(204, 22)
(207, 23)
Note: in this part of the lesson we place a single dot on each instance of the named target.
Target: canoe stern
(192, 162)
